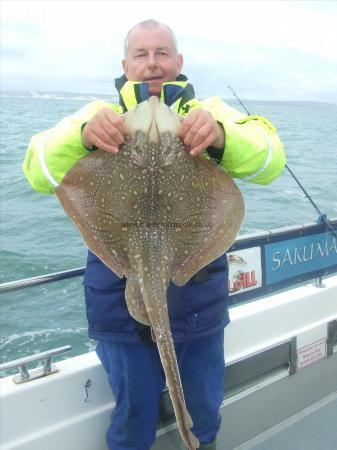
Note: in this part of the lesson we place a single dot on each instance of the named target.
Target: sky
(265, 50)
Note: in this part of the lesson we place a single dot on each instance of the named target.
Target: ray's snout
(152, 118)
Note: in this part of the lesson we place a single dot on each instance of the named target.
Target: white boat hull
(59, 412)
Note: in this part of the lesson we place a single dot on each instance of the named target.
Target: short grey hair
(149, 23)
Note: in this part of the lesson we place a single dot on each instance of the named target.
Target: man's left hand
(199, 130)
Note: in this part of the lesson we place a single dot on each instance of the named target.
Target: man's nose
(152, 60)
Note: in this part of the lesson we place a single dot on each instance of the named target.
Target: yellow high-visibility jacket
(253, 150)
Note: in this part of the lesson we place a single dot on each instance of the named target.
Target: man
(246, 147)
(151, 56)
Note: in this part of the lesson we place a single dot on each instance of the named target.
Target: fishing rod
(322, 217)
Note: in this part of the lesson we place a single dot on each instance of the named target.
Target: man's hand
(105, 130)
(199, 130)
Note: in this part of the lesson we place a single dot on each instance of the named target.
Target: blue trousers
(137, 381)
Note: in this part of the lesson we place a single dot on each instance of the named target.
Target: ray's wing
(97, 194)
(206, 210)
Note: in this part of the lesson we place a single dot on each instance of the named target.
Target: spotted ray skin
(153, 213)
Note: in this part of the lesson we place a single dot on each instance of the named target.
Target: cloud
(12, 53)
(265, 48)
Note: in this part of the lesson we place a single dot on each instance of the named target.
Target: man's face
(152, 58)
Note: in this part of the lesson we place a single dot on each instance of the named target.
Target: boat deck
(311, 429)
(281, 411)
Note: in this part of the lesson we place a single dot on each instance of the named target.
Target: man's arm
(53, 152)
(252, 149)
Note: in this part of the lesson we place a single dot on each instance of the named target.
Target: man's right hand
(105, 130)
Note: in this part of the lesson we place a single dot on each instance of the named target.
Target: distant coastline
(113, 97)
(57, 95)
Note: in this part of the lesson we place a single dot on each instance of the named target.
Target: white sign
(245, 272)
(311, 353)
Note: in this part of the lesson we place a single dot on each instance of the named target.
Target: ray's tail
(155, 302)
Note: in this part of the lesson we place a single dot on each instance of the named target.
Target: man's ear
(180, 62)
(125, 67)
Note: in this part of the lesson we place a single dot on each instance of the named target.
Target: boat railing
(41, 279)
(280, 235)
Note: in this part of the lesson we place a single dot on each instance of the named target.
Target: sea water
(37, 238)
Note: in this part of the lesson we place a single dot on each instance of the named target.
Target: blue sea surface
(37, 237)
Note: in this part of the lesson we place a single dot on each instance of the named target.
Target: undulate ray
(153, 213)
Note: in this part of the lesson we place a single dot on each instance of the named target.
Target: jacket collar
(133, 92)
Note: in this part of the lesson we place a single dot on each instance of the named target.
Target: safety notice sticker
(311, 353)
